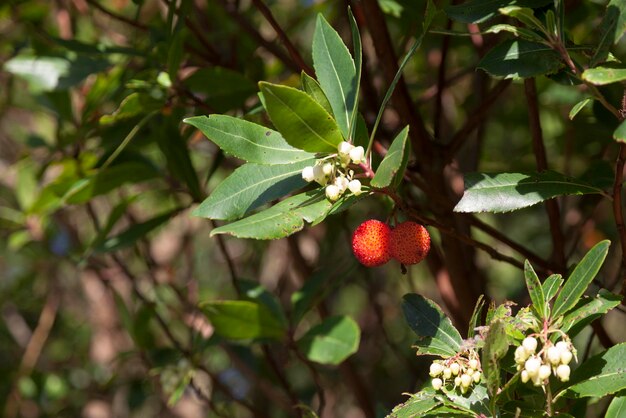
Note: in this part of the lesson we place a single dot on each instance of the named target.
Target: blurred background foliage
(103, 268)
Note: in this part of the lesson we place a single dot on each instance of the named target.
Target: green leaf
(247, 141)
(620, 133)
(243, 320)
(281, 220)
(476, 316)
(416, 406)
(601, 375)
(587, 310)
(613, 27)
(535, 290)
(358, 65)
(551, 286)
(517, 31)
(221, 88)
(578, 107)
(476, 402)
(604, 75)
(495, 348)
(391, 169)
(580, 278)
(436, 334)
(133, 105)
(476, 11)
(313, 89)
(53, 73)
(520, 58)
(134, 233)
(524, 15)
(255, 292)
(332, 341)
(335, 70)
(26, 183)
(505, 192)
(300, 119)
(251, 186)
(617, 408)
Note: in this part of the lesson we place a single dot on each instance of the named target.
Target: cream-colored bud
(457, 381)
(437, 383)
(327, 168)
(355, 187)
(525, 376)
(473, 364)
(357, 154)
(319, 176)
(466, 380)
(562, 345)
(521, 355)
(563, 372)
(344, 148)
(544, 371)
(342, 183)
(554, 355)
(455, 367)
(436, 369)
(308, 174)
(530, 344)
(566, 356)
(332, 192)
(447, 373)
(476, 376)
(532, 366)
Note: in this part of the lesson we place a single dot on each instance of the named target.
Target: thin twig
(133, 23)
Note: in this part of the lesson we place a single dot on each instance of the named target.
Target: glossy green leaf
(475, 402)
(255, 292)
(524, 15)
(243, 320)
(587, 309)
(476, 316)
(535, 290)
(301, 120)
(578, 107)
(313, 89)
(620, 133)
(251, 186)
(551, 286)
(435, 332)
(248, 141)
(221, 88)
(494, 350)
(601, 375)
(617, 408)
(604, 75)
(54, 73)
(476, 11)
(391, 169)
(332, 341)
(505, 192)
(517, 31)
(134, 233)
(358, 65)
(415, 406)
(133, 105)
(520, 58)
(336, 73)
(281, 220)
(27, 183)
(613, 27)
(580, 278)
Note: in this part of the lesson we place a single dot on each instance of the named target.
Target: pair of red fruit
(374, 243)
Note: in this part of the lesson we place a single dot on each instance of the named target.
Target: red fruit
(370, 243)
(409, 243)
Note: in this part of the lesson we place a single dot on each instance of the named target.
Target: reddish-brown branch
(441, 78)
(552, 206)
(618, 210)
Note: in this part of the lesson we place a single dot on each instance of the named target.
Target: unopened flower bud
(308, 174)
(355, 187)
(532, 366)
(566, 356)
(437, 383)
(544, 371)
(563, 372)
(342, 183)
(447, 373)
(319, 176)
(473, 364)
(327, 168)
(466, 380)
(455, 367)
(332, 192)
(554, 355)
(530, 344)
(435, 369)
(344, 148)
(476, 376)
(521, 355)
(525, 376)
(562, 345)
(357, 154)
(457, 381)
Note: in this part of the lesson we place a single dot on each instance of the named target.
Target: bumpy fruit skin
(370, 243)
(410, 243)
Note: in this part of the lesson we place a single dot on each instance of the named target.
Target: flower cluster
(538, 366)
(332, 172)
(461, 371)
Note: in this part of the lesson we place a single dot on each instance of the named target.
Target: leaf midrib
(336, 74)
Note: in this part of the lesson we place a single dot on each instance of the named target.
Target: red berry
(409, 243)
(370, 243)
